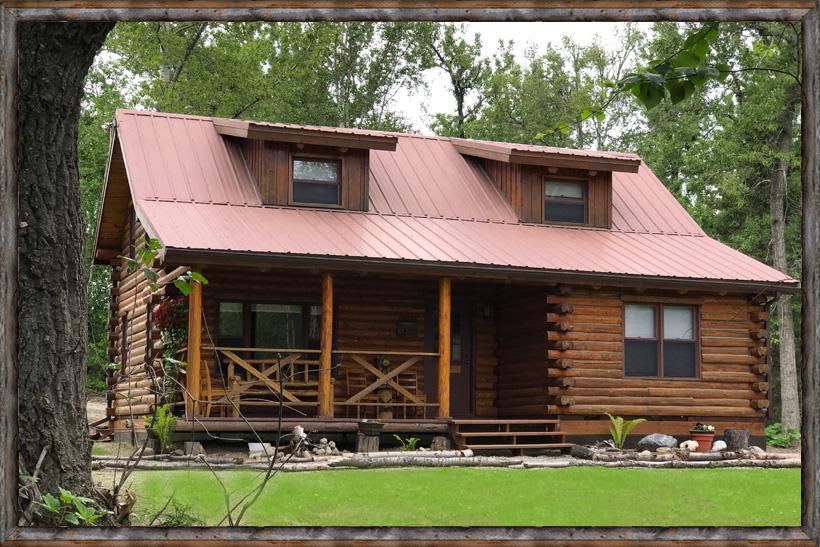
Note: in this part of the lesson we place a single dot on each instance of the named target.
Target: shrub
(781, 437)
(618, 429)
(162, 425)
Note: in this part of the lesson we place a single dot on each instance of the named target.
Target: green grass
(491, 497)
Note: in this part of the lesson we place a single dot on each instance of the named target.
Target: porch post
(325, 387)
(444, 289)
(192, 376)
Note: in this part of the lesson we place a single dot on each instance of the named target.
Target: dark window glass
(316, 181)
(312, 192)
(679, 360)
(230, 320)
(641, 358)
(565, 201)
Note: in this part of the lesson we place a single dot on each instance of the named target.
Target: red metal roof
(428, 205)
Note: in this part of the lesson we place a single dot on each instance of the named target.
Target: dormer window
(316, 181)
(565, 201)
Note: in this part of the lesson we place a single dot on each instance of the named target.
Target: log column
(444, 313)
(325, 363)
(193, 369)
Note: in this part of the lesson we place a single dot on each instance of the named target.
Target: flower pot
(704, 439)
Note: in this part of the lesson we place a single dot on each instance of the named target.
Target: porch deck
(311, 425)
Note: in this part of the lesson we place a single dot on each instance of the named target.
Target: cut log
(736, 439)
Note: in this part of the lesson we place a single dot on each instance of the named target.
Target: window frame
(659, 339)
(584, 182)
(247, 317)
(307, 156)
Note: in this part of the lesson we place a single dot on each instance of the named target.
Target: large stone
(718, 446)
(655, 441)
(581, 452)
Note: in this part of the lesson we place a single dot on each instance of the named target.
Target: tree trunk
(789, 398)
(54, 59)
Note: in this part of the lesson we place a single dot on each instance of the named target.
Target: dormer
(552, 185)
(317, 167)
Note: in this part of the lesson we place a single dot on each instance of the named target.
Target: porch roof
(429, 205)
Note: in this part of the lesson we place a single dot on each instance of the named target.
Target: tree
(54, 59)
(467, 71)
(731, 138)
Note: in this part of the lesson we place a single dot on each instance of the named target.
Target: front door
(461, 360)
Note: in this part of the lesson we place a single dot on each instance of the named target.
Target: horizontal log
(560, 363)
(759, 351)
(730, 359)
(671, 401)
(759, 316)
(656, 410)
(760, 403)
(561, 309)
(760, 369)
(559, 326)
(760, 387)
(616, 393)
(136, 410)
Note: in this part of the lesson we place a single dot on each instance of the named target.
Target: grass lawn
(491, 497)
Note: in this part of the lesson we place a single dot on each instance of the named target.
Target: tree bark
(54, 59)
(789, 397)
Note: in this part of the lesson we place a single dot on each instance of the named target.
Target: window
(316, 181)
(270, 326)
(660, 341)
(565, 201)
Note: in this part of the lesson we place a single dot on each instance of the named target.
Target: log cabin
(499, 295)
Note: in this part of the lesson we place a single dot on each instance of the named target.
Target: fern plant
(619, 429)
(408, 445)
(162, 425)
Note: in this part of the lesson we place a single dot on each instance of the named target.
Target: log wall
(522, 372)
(133, 342)
(585, 337)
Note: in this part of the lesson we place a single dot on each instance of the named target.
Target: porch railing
(382, 384)
(281, 374)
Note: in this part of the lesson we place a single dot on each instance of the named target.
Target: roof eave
(312, 136)
(509, 154)
(503, 273)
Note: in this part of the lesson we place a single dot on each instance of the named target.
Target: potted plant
(704, 434)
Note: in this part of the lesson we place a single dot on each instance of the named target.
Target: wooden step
(516, 446)
(509, 433)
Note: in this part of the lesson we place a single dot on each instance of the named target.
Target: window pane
(678, 323)
(311, 192)
(277, 326)
(315, 328)
(640, 358)
(230, 319)
(564, 211)
(562, 189)
(316, 170)
(640, 320)
(679, 360)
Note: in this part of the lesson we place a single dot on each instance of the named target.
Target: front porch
(332, 349)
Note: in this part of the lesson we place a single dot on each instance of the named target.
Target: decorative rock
(192, 448)
(757, 452)
(147, 451)
(690, 446)
(646, 455)
(656, 441)
(581, 452)
(718, 446)
(259, 450)
(177, 452)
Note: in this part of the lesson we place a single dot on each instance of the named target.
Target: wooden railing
(375, 387)
(284, 374)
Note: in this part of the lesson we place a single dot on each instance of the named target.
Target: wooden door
(461, 358)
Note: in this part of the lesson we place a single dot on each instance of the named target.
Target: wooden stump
(736, 439)
(367, 443)
(440, 443)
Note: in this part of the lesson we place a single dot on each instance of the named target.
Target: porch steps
(514, 434)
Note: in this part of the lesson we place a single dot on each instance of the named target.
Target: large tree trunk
(54, 59)
(789, 397)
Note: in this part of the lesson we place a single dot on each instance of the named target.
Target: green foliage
(68, 509)
(619, 430)
(777, 435)
(408, 445)
(162, 425)
(179, 514)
